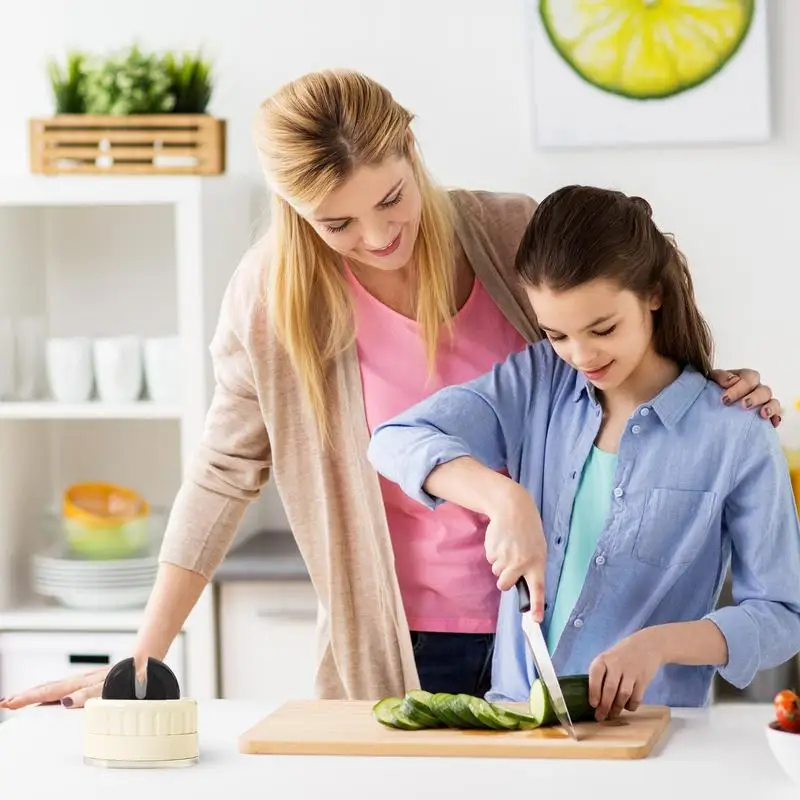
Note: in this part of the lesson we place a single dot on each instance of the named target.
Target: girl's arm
(453, 446)
(762, 629)
(483, 419)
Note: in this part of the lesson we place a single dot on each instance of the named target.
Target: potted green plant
(67, 83)
(191, 82)
(128, 83)
(132, 111)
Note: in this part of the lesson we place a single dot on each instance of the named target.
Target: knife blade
(542, 660)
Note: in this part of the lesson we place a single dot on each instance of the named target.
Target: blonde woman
(373, 288)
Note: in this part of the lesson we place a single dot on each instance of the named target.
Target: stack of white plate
(93, 584)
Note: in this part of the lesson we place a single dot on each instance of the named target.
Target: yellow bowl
(105, 521)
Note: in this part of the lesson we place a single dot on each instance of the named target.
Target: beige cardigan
(257, 424)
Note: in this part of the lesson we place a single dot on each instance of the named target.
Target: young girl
(615, 442)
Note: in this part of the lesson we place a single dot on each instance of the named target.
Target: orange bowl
(104, 520)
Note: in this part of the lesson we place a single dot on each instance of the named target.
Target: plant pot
(146, 144)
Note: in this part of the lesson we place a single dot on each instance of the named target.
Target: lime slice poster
(618, 72)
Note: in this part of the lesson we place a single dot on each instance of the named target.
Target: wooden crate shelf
(157, 144)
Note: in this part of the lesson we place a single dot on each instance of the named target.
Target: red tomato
(787, 710)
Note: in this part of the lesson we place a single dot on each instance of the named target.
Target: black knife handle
(524, 595)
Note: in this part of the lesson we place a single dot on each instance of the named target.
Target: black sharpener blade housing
(120, 683)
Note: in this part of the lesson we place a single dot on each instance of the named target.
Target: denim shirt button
(645, 411)
(618, 492)
(600, 560)
(636, 429)
(578, 623)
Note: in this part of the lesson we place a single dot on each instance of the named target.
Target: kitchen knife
(542, 660)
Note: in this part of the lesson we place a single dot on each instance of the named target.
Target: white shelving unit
(104, 256)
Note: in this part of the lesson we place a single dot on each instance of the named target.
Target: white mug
(30, 334)
(118, 368)
(162, 368)
(69, 369)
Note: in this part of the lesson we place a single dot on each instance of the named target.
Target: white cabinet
(29, 658)
(267, 640)
(95, 257)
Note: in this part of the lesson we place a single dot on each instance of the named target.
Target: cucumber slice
(517, 720)
(489, 717)
(461, 706)
(576, 695)
(416, 705)
(404, 722)
(441, 704)
(383, 710)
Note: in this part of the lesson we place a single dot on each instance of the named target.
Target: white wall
(460, 65)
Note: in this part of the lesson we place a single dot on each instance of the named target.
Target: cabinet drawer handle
(84, 658)
(287, 614)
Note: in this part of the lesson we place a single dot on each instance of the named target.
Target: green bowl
(115, 541)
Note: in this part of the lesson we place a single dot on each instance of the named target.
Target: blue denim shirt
(699, 487)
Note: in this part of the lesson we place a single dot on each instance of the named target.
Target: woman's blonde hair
(311, 136)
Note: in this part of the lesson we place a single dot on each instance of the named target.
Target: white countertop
(719, 754)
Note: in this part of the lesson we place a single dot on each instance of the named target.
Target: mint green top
(589, 513)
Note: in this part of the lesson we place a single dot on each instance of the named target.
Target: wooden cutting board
(347, 728)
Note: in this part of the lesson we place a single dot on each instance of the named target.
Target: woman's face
(373, 218)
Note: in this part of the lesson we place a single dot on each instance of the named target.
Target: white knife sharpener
(139, 725)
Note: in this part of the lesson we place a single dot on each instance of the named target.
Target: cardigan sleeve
(232, 462)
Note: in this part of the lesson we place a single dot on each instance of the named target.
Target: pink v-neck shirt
(445, 579)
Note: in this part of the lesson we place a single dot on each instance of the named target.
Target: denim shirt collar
(670, 404)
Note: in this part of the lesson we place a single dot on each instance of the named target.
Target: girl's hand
(619, 677)
(515, 544)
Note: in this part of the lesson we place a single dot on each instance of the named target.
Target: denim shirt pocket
(673, 526)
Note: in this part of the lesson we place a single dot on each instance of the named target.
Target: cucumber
(576, 695)
(420, 710)
(461, 705)
(416, 705)
(490, 716)
(383, 710)
(441, 705)
(517, 720)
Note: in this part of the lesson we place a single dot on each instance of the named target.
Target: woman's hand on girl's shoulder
(744, 386)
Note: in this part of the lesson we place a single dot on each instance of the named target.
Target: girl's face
(601, 330)
(373, 218)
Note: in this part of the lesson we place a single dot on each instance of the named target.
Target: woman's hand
(744, 386)
(515, 545)
(71, 692)
(619, 677)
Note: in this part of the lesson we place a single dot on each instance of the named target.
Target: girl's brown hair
(581, 233)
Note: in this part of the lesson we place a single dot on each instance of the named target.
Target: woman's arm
(231, 466)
